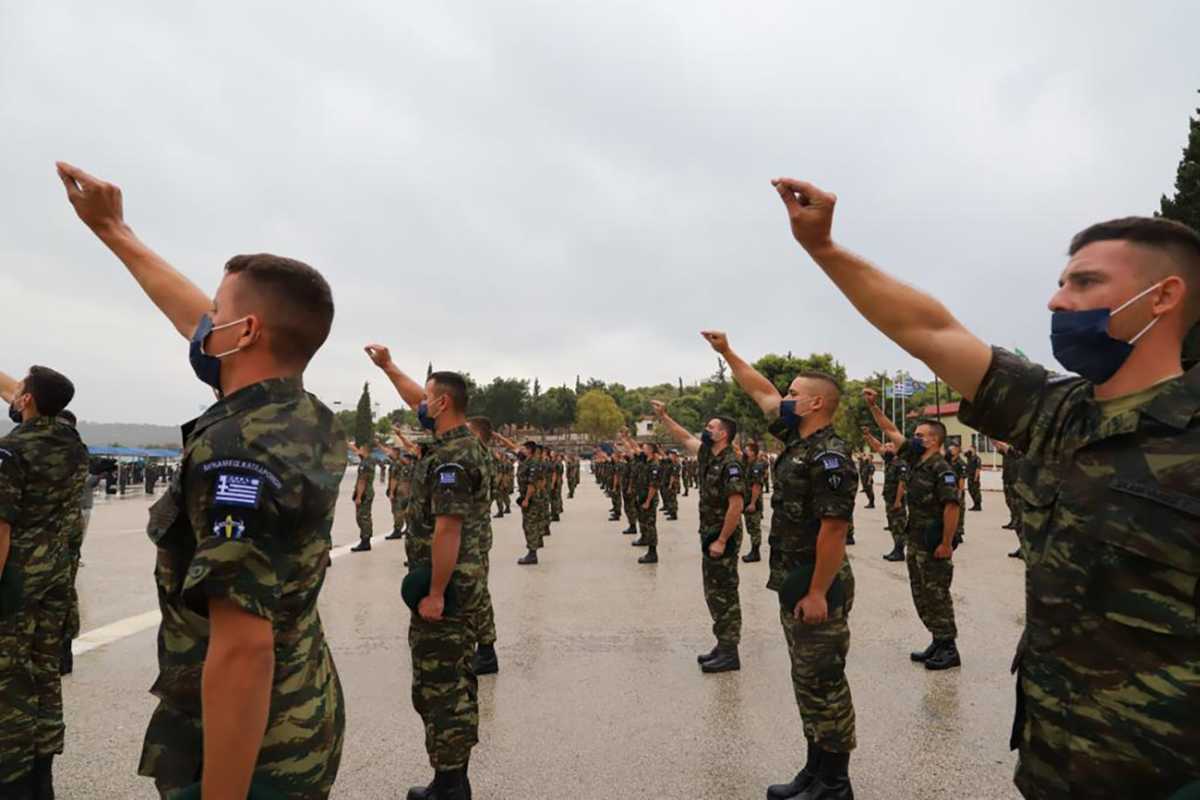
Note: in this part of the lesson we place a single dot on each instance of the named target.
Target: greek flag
(237, 490)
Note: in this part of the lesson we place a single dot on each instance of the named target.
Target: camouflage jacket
(40, 467)
(755, 472)
(455, 479)
(894, 473)
(248, 519)
(1010, 465)
(526, 476)
(632, 477)
(366, 475)
(1110, 657)
(928, 487)
(815, 479)
(720, 477)
(974, 464)
(866, 470)
(649, 476)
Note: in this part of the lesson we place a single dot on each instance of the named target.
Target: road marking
(131, 626)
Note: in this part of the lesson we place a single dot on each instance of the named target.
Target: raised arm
(872, 442)
(916, 321)
(410, 391)
(99, 205)
(504, 440)
(685, 439)
(893, 434)
(761, 390)
(404, 441)
(8, 387)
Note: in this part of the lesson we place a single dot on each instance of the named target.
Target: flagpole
(903, 408)
(883, 394)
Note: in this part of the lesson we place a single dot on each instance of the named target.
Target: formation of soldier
(1100, 471)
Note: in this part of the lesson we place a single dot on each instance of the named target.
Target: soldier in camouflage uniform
(648, 488)
(616, 471)
(755, 471)
(452, 496)
(76, 526)
(486, 662)
(558, 477)
(243, 531)
(40, 463)
(866, 477)
(527, 476)
(629, 481)
(974, 486)
(895, 472)
(959, 465)
(1108, 667)
(1009, 469)
(364, 497)
(722, 489)
(572, 474)
(671, 470)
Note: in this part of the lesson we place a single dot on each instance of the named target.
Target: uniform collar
(817, 434)
(1174, 406)
(252, 396)
(457, 432)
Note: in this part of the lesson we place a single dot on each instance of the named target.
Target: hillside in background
(100, 434)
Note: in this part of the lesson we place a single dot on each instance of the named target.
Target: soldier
(959, 465)
(755, 471)
(75, 522)
(815, 482)
(866, 476)
(722, 489)
(556, 497)
(544, 485)
(364, 496)
(40, 464)
(572, 474)
(526, 494)
(397, 467)
(766, 473)
(974, 468)
(452, 494)
(1108, 676)
(247, 686)
(686, 474)
(1009, 469)
(648, 488)
(629, 482)
(895, 473)
(671, 473)
(486, 661)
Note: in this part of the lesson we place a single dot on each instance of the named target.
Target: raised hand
(379, 355)
(660, 408)
(717, 340)
(871, 396)
(98, 203)
(810, 211)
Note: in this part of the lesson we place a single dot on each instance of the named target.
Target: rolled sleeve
(1007, 401)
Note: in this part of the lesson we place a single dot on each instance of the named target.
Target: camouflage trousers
(504, 499)
(976, 490)
(615, 497)
(556, 502)
(868, 487)
(897, 519)
(444, 687)
(31, 715)
(930, 580)
(399, 511)
(721, 593)
(571, 484)
(818, 655)
(75, 536)
(485, 629)
(1013, 500)
(631, 511)
(531, 525)
(362, 515)
(648, 522)
(670, 502)
(753, 523)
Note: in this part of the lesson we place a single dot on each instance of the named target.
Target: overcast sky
(559, 188)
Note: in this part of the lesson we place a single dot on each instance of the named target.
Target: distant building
(957, 432)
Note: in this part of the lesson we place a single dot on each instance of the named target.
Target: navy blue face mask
(1082, 344)
(208, 367)
(427, 422)
(917, 445)
(13, 414)
(706, 439)
(787, 413)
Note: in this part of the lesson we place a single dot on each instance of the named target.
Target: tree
(597, 415)
(578, 387)
(363, 436)
(780, 371)
(504, 401)
(1185, 205)
(555, 409)
(719, 375)
(681, 386)
(429, 372)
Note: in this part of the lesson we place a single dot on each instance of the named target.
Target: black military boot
(66, 662)
(447, 785)
(850, 538)
(1016, 554)
(486, 662)
(710, 655)
(833, 779)
(724, 661)
(871, 504)
(897, 553)
(921, 656)
(945, 657)
(363, 546)
(804, 778)
(396, 533)
(651, 556)
(43, 778)
(528, 558)
(630, 529)
(976, 508)
(752, 556)
(640, 542)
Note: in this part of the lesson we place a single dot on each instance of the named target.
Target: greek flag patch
(951, 479)
(237, 490)
(447, 477)
(831, 462)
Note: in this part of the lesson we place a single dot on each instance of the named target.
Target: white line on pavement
(131, 626)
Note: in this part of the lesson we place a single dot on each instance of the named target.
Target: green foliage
(504, 401)
(363, 428)
(780, 371)
(554, 410)
(1185, 205)
(597, 415)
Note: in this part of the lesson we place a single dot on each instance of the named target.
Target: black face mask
(641, 456)
(13, 414)
(888, 456)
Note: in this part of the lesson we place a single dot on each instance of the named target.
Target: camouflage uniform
(670, 487)
(572, 476)
(931, 485)
(974, 470)
(720, 477)
(455, 479)
(815, 479)
(755, 475)
(1009, 469)
(401, 473)
(616, 472)
(362, 512)
(40, 462)
(542, 495)
(866, 477)
(895, 472)
(629, 482)
(527, 477)
(959, 465)
(248, 519)
(76, 526)
(649, 477)
(1109, 663)
(557, 473)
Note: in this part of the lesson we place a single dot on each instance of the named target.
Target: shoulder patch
(231, 464)
(830, 461)
(230, 527)
(733, 470)
(449, 476)
(234, 489)
(950, 479)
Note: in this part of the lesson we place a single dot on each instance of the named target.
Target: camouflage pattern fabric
(629, 482)
(456, 481)
(649, 477)
(248, 519)
(556, 493)
(755, 475)
(815, 479)
(572, 476)
(40, 463)
(974, 476)
(959, 465)
(614, 489)
(76, 526)
(530, 524)
(1109, 664)
(362, 511)
(895, 472)
(1010, 468)
(866, 478)
(402, 471)
(719, 478)
(931, 486)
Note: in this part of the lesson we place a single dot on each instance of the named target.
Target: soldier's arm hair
(733, 516)
(872, 442)
(409, 390)
(8, 387)
(754, 383)
(99, 204)
(235, 695)
(831, 551)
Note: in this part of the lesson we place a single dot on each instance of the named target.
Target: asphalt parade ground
(599, 694)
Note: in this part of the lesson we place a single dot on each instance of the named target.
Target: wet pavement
(599, 694)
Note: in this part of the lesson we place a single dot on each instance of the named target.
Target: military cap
(415, 588)
(795, 587)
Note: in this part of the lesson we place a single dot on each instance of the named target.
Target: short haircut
(51, 390)
(297, 299)
(938, 428)
(834, 393)
(1180, 242)
(730, 426)
(453, 384)
(68, 417)
(653, 447)
(483, 425)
